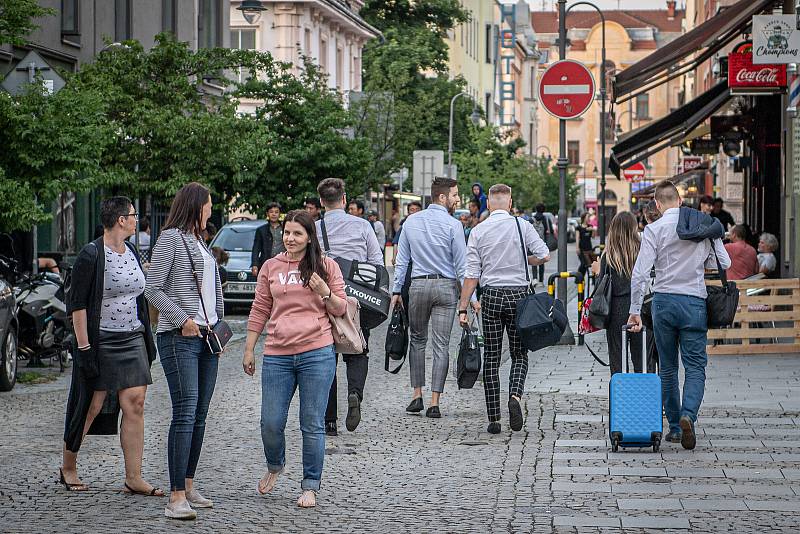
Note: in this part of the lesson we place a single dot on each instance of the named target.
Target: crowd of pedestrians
(445, 269)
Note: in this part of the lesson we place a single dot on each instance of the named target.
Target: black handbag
(468, 363)
(540, 319)
(397, 339)
(219, 334)
(600, 307)
(367, 283)
(721, 302)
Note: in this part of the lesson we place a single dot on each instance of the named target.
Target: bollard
(569, 338)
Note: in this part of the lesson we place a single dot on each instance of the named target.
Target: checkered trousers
(498, 312)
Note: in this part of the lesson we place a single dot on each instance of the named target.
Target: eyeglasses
(134, 215)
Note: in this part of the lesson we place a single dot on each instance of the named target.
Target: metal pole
(450, 137)
(562, 164)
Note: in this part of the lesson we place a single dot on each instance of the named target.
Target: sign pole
(568, 337)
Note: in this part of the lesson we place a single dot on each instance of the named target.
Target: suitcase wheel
(616, 439)
(656, 437)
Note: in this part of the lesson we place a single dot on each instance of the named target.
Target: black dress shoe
(330, 428)
(433, 412)
(515, 414)
(415, 406)
(353, 412)
(493, 428)
(674, 437)
(688, 439)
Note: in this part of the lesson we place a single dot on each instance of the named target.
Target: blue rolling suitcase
(635, 404)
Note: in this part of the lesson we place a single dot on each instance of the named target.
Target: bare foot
(267, 482)
(141, 487)
(307, 500)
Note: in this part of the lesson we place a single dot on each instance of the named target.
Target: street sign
(634, 173)
(566, 89)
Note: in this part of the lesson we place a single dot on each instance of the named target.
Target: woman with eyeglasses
(186, 316)
(114, 347)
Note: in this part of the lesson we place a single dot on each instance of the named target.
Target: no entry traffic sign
(634, 173)
(566, 89)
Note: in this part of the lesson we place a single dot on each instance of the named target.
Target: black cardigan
(85, 292)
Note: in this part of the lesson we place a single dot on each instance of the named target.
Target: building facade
(330, 32)
(630, 36)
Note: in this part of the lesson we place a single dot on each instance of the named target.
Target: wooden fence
(767, 322)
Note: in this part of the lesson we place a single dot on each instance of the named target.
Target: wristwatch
(328, 296)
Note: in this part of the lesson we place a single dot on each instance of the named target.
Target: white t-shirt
(209, 290)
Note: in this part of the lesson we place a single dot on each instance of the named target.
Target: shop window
(70, 19)
(574, 152)
(642, 106)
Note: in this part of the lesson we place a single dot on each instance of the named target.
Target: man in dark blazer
(268, 241)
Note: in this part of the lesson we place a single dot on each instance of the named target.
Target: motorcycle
(45, 329)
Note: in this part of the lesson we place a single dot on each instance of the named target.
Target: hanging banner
(776, 39)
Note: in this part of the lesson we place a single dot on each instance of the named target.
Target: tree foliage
(17, 19)
(51, 143)
(406, 84)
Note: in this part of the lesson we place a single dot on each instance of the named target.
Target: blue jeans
(312, 372)
(680, 321)
(191, 371)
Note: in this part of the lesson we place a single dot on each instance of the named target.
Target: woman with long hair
(296, 292)
(114, 347)
(618, 259)
(181, 263)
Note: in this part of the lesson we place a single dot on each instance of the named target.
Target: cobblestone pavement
(403, 473)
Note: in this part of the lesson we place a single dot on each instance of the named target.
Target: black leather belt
(506, 288)
(432, 277)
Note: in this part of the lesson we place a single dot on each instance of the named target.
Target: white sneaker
(180, 510)
(197, 500)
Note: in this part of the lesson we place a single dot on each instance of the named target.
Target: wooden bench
(761, 301)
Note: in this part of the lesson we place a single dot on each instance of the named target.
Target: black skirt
(123, 361)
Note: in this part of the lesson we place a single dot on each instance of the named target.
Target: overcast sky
(536, 5)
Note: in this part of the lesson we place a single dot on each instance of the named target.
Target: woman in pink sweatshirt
(296, 291)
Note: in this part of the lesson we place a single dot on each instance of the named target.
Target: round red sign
(566, 89)
(634, 173)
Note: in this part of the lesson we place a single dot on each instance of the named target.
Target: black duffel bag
(367, 283)
(721, 302)
(468, 364)
(540, 319)
(397, 339)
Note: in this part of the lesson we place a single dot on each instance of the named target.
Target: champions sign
(776, 39)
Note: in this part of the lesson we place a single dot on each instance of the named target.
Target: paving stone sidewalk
(402, 473)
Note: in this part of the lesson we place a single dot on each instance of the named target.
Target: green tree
(407, 88)
(51, 143)
(17, 19)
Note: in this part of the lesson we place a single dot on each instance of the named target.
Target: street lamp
(602, 113)
(549, 154)
(251, 10)
(475, 117)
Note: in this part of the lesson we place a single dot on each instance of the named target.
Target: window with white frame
(243, 39)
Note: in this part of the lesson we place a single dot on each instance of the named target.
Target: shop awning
(667, 131)
(687, 51)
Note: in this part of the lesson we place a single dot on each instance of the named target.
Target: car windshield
(235, 239)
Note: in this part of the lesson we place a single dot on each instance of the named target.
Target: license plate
(247, 287)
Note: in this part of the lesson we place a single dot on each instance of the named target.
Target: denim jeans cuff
(274, 468)
(309, 484)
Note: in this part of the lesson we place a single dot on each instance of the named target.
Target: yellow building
(630, 36)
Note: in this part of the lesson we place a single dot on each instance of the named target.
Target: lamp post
(562, 54)
(549, 154)
(475, 117)
(618, 128)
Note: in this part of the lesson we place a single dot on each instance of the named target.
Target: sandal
(154, 492)
(314, 493)
(80, 486)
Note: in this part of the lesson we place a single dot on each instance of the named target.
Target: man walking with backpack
(679, 305)
(434, 240)
(352, 238)
(495, 259)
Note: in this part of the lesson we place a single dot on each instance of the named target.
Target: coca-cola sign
(745, 77)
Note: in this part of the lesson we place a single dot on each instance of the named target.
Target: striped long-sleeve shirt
(170, 287)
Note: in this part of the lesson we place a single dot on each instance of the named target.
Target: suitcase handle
(626, 330)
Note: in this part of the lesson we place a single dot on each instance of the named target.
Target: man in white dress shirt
(495, 259)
